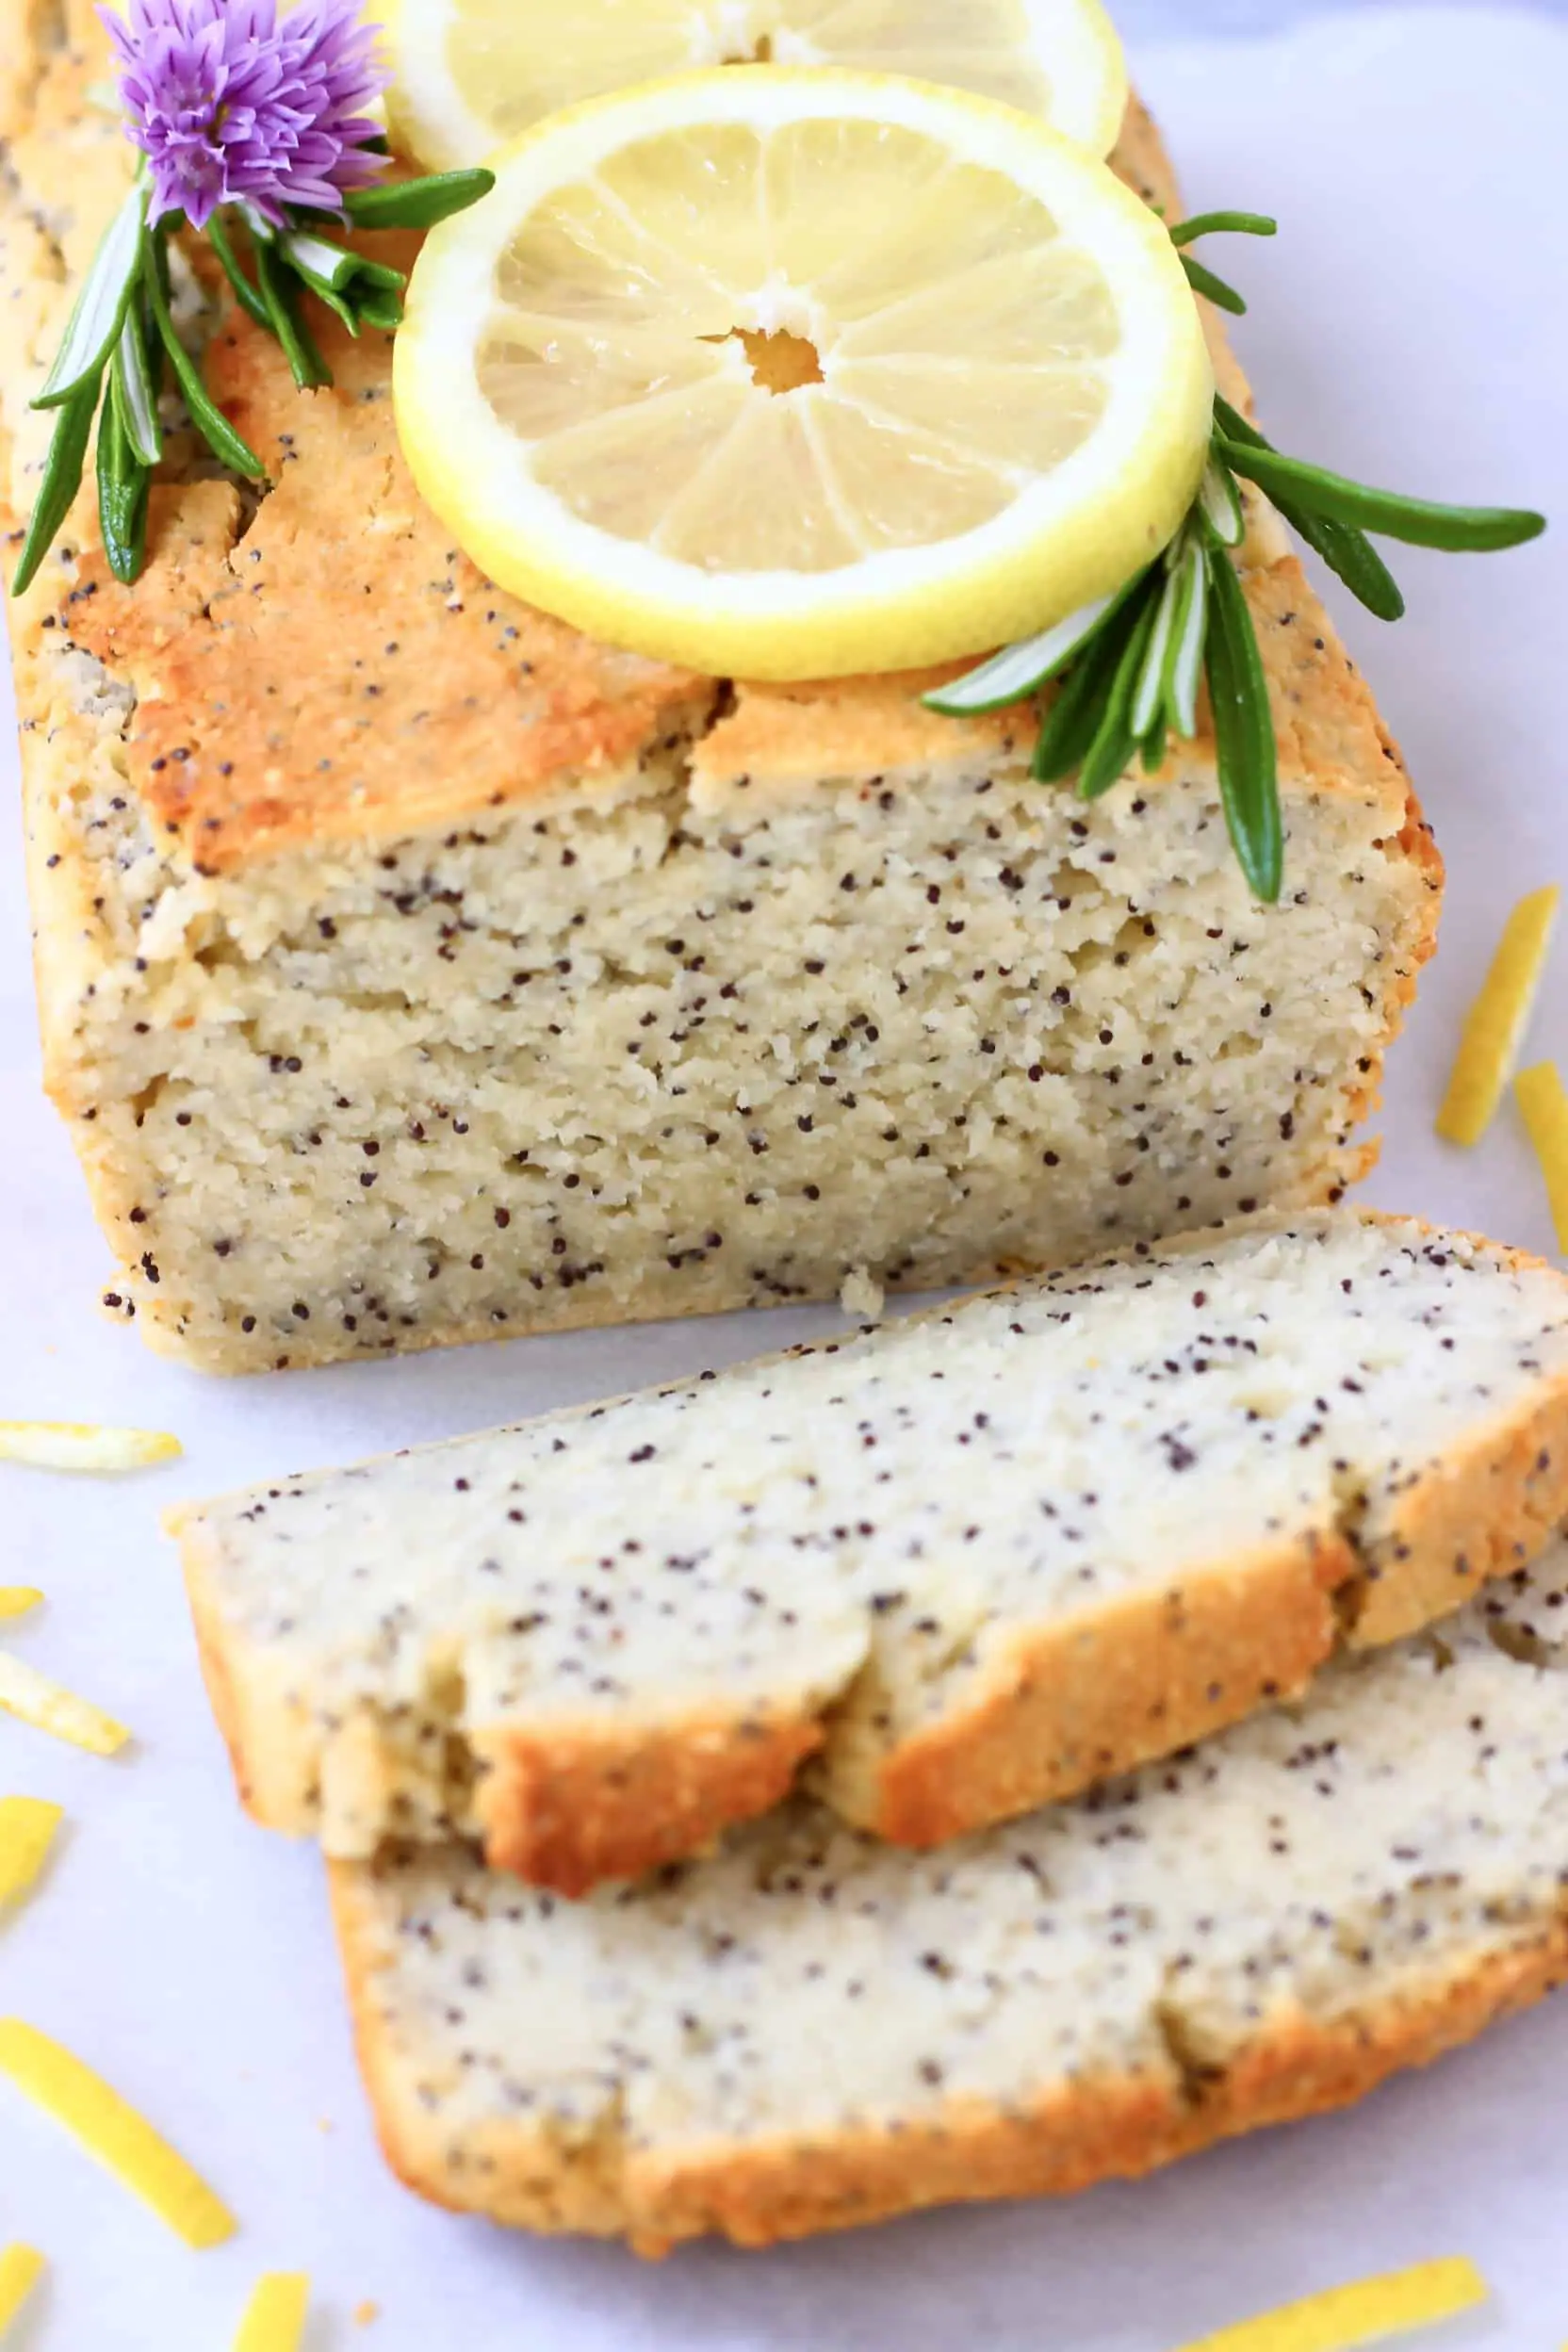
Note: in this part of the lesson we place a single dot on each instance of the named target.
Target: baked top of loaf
(323, 666)
(810, 2029)
(974, 1559)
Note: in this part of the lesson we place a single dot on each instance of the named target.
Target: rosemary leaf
(1234, 426)
(1347, 551)
(1184, 659)
(1148, 701)
(1244, 732)
(300, 347)
(135, 396)
(225, 443)
(63, 478)
(1223, 225)
(96, 315)
(1074, 719)
(1420, 522)
(1221, 502)
(1116, 739)
(1020, 670)
(1203, 281)
(122, 495)
(245, 293)
(417, 203)
(1350, 554)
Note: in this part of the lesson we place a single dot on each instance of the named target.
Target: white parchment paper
(1410, 325)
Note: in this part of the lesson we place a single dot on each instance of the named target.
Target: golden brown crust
(1484, 1511)
(1113, 1689)
(1170, 1667)
(1300, 2065)
(332, 671)
(1325, 720)
(567, 1813)
(1068, 1704)
(351, 674)
(1086, 2130)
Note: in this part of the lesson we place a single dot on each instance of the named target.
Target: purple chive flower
(229, 102)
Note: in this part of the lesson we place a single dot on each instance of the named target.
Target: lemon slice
(788, 374)
(469, 74)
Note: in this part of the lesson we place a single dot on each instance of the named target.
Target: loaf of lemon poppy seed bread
(414, 969)
(967, 1562)
(810, 2029)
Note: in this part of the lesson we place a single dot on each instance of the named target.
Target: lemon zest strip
(49, 1707)
(1359, 2313)
(27, 1827)
(275, 2316)
(84, 1445)
(1544, 1105)
(17, 1599)
(1496, 1023)
(112, 2130)
(20, 2268)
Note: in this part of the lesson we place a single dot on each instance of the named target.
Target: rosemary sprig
(1203, 280)
(1128, 666)
(122, 334)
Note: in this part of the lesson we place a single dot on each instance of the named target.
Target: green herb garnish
(122, 334)
(1129, 664)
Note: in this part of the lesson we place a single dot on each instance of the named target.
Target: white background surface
(1409, 324)
(1148, 21)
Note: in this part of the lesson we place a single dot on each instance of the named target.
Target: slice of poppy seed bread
(414, 969)
(971, 1561)
(811, 2029)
